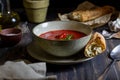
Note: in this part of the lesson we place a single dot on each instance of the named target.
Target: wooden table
(88, 70)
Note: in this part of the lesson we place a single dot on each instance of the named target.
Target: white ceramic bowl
(61, 48)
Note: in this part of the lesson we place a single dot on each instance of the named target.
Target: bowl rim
(91, 31)
(3, 32)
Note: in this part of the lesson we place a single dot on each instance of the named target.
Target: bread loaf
(86, 15)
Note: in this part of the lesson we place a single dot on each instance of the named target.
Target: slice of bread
(95, 46)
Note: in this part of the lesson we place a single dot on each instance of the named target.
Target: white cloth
(20, 70)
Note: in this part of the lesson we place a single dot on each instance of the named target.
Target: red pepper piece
(63, 36)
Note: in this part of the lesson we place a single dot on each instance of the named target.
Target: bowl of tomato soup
(61, 38)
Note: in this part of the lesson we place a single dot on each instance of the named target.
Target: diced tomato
(63, 36)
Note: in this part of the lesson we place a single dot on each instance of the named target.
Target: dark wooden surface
(88, 70)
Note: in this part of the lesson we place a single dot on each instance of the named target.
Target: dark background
(69, 3)
(59, 5)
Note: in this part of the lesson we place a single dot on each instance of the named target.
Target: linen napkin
(22, 71)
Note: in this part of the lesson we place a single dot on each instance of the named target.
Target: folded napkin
(22, 71)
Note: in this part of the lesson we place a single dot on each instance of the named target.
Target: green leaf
(68, 37)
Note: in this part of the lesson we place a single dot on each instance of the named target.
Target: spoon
(115, 55)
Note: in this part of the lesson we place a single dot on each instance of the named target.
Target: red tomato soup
(62, 35)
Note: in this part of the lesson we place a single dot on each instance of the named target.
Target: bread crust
(95, 46)
(87, 15)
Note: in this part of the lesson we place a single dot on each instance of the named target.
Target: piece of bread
(87, 15)
(95, 46)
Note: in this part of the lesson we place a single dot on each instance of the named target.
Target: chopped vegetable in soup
(62, 35)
